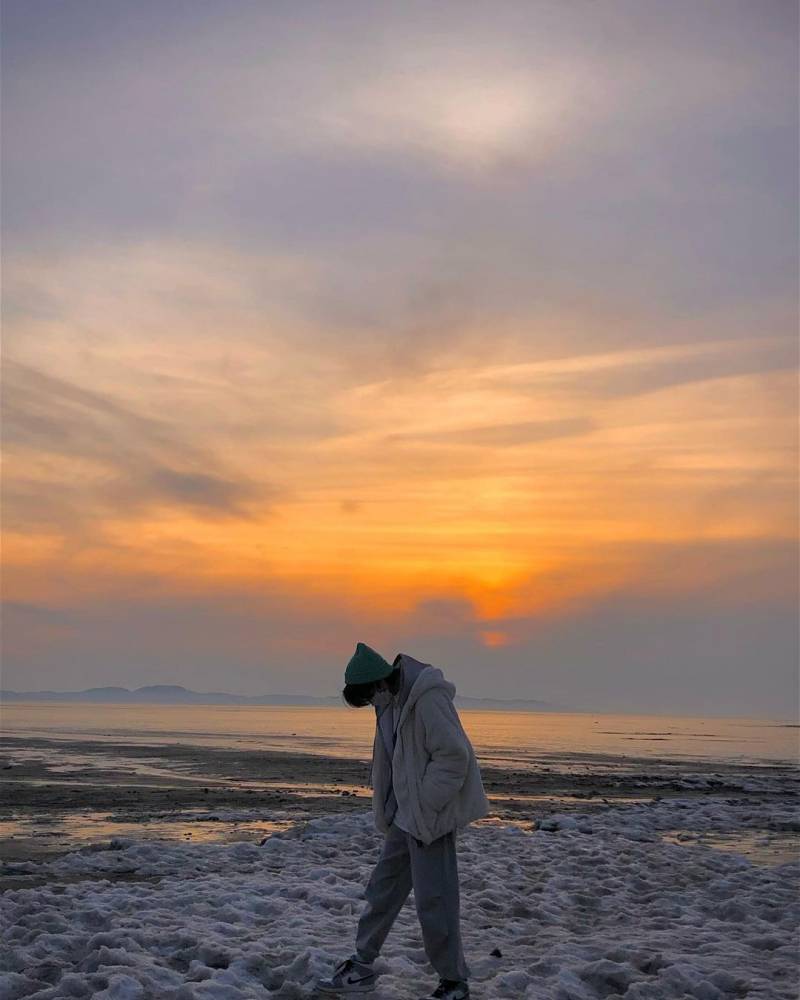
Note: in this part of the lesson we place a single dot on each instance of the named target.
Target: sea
(501, 738)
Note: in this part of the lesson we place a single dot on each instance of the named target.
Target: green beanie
(366, 665)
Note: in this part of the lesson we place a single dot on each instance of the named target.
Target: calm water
(519, 739)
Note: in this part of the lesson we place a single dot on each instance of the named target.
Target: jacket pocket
(434, 796)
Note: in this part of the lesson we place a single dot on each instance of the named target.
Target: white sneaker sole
(337, 991)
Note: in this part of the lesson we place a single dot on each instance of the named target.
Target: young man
(425, 785)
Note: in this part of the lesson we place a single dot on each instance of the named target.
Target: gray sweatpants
(432, 872)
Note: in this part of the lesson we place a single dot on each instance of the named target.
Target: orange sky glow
(478, 340)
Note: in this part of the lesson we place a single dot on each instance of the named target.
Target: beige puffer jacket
(436, 777)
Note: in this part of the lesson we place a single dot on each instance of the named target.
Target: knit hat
(366, 665)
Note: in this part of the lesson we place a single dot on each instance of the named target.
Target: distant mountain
(165, 694)
(174, 694)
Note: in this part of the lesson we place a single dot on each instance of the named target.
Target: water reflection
(336, 731)
(763, 847)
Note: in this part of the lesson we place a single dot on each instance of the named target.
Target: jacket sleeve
(447, 747)
(372, 760)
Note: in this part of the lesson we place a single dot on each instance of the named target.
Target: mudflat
(62, 794)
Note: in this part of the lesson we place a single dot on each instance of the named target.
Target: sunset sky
(463, 330)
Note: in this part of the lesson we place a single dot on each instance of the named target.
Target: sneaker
(449, 989)
(349, 976)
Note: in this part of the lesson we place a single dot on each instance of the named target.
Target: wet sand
(59, 795)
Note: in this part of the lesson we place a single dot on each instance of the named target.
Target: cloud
(77, 456)
(559, 154)
(681, 634)
(458, 113)
(40, 614)
(272, 642)
(676, 655)
(501, 435)
(648, 368)
(442, 613)
(368, 309)
(51, 413)
(200, 490)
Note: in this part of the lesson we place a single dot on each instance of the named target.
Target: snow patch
(586, 907)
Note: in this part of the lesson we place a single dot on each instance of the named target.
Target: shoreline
(60, 794)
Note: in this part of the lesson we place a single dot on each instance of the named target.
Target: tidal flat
(59, 795)
(135, 870)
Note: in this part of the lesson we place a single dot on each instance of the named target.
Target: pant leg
(387, 890)
(434, 873)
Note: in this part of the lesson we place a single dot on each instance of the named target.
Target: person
(426, 784)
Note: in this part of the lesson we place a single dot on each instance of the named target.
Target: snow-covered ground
(591, 905)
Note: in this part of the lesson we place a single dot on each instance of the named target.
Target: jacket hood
(426, 677)
(417, 679)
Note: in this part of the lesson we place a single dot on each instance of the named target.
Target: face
(382, 695)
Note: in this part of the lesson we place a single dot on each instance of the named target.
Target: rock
(558, 822)
(496, 953)
(704, 990)
(516, 980)
(608, 977)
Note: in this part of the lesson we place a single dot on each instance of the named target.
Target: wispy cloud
(446, 322)
(500, 435)
(76, 457)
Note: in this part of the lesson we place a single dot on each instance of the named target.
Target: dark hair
(358, 695)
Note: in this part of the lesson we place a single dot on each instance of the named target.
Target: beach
(439, 358)
(142, 866)
(61, 794)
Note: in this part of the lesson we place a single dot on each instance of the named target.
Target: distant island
(174, 694)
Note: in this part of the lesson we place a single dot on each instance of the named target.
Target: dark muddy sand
(61, 795)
